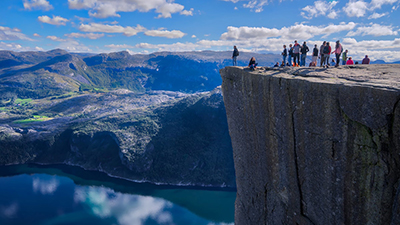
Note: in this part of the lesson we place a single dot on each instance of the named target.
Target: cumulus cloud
(97, 27)
(359, 8)
(187, 12)
(37, 4)
(106, 8)
(356, 8)
(55, 38)
(377, 15)
(300, 31)
(377, 4)
(373, 30)
(320, 8)
(12, 34)
(165, 33)
(92, 36)
(56, 20)
(36, 35)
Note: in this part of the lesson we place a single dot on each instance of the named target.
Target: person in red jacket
(350, 61)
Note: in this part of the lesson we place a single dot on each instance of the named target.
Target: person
(276, 64)
(365, 60)
(315, 55)
(296, 53)
(304, 50)
(338, 51)
(252, 63)
(350, 61)
(321, 53)
(290, 55)
(235, 55)
(327, 53)
(333, 63)
(344, 57)
(284, 54)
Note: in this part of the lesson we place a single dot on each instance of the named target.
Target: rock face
(315, 146)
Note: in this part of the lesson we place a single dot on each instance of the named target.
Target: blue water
(67, 195)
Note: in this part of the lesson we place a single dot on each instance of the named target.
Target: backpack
(326, 50)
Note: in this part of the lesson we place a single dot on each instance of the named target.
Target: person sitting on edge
(252, 63)
(276, 64)
(365, 60)
(350, 61)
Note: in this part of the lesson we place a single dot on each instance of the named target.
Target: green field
(33, 119)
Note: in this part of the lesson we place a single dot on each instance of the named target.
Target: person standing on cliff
(235, 55)
(304, 50)
(344, 57)
(327, 53)
(338, 50)
(296, 53)
(290, 55)
(284, 55)
(315, 56)
(321, 54)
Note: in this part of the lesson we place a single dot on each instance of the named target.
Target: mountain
(185, 71)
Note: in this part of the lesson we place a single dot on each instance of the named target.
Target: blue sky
(143, 26)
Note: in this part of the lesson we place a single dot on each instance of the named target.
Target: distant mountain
(174, 71)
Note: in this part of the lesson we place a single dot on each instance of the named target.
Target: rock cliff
(315, 146)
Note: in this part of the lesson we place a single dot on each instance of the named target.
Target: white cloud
(106, 8)
(55, 38)
(320, 8)
(187, 12)
(113, 46)
(377, 15)
(12, 34)
(373, 30)
(234, 1)
(165, 33)
(45, 187)
(92, 36)
(377, 4)
(97, 27)
(299, 31)
(359, 8)
(56, 20)
(356, 8)
(36, 35)
(37, 4)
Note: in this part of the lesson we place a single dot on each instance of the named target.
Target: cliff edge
(315, 146)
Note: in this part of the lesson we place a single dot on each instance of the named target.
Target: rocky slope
(315, 146)
(156, 136)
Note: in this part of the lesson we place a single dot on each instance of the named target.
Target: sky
(363, 27)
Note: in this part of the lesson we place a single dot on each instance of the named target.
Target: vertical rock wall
(315, 146)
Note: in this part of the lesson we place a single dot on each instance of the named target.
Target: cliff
(315, 146)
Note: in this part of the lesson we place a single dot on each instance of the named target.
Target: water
(68, 195)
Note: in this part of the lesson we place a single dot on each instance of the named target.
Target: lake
(47, 195)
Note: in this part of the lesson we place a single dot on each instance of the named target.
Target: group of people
(299, 52)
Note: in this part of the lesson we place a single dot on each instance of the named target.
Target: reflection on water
(46, 199)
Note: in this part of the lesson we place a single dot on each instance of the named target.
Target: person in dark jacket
(315, 55)
(235, 55)
(290, 55)
(284, 54)
(304, 50)
(366, 60)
